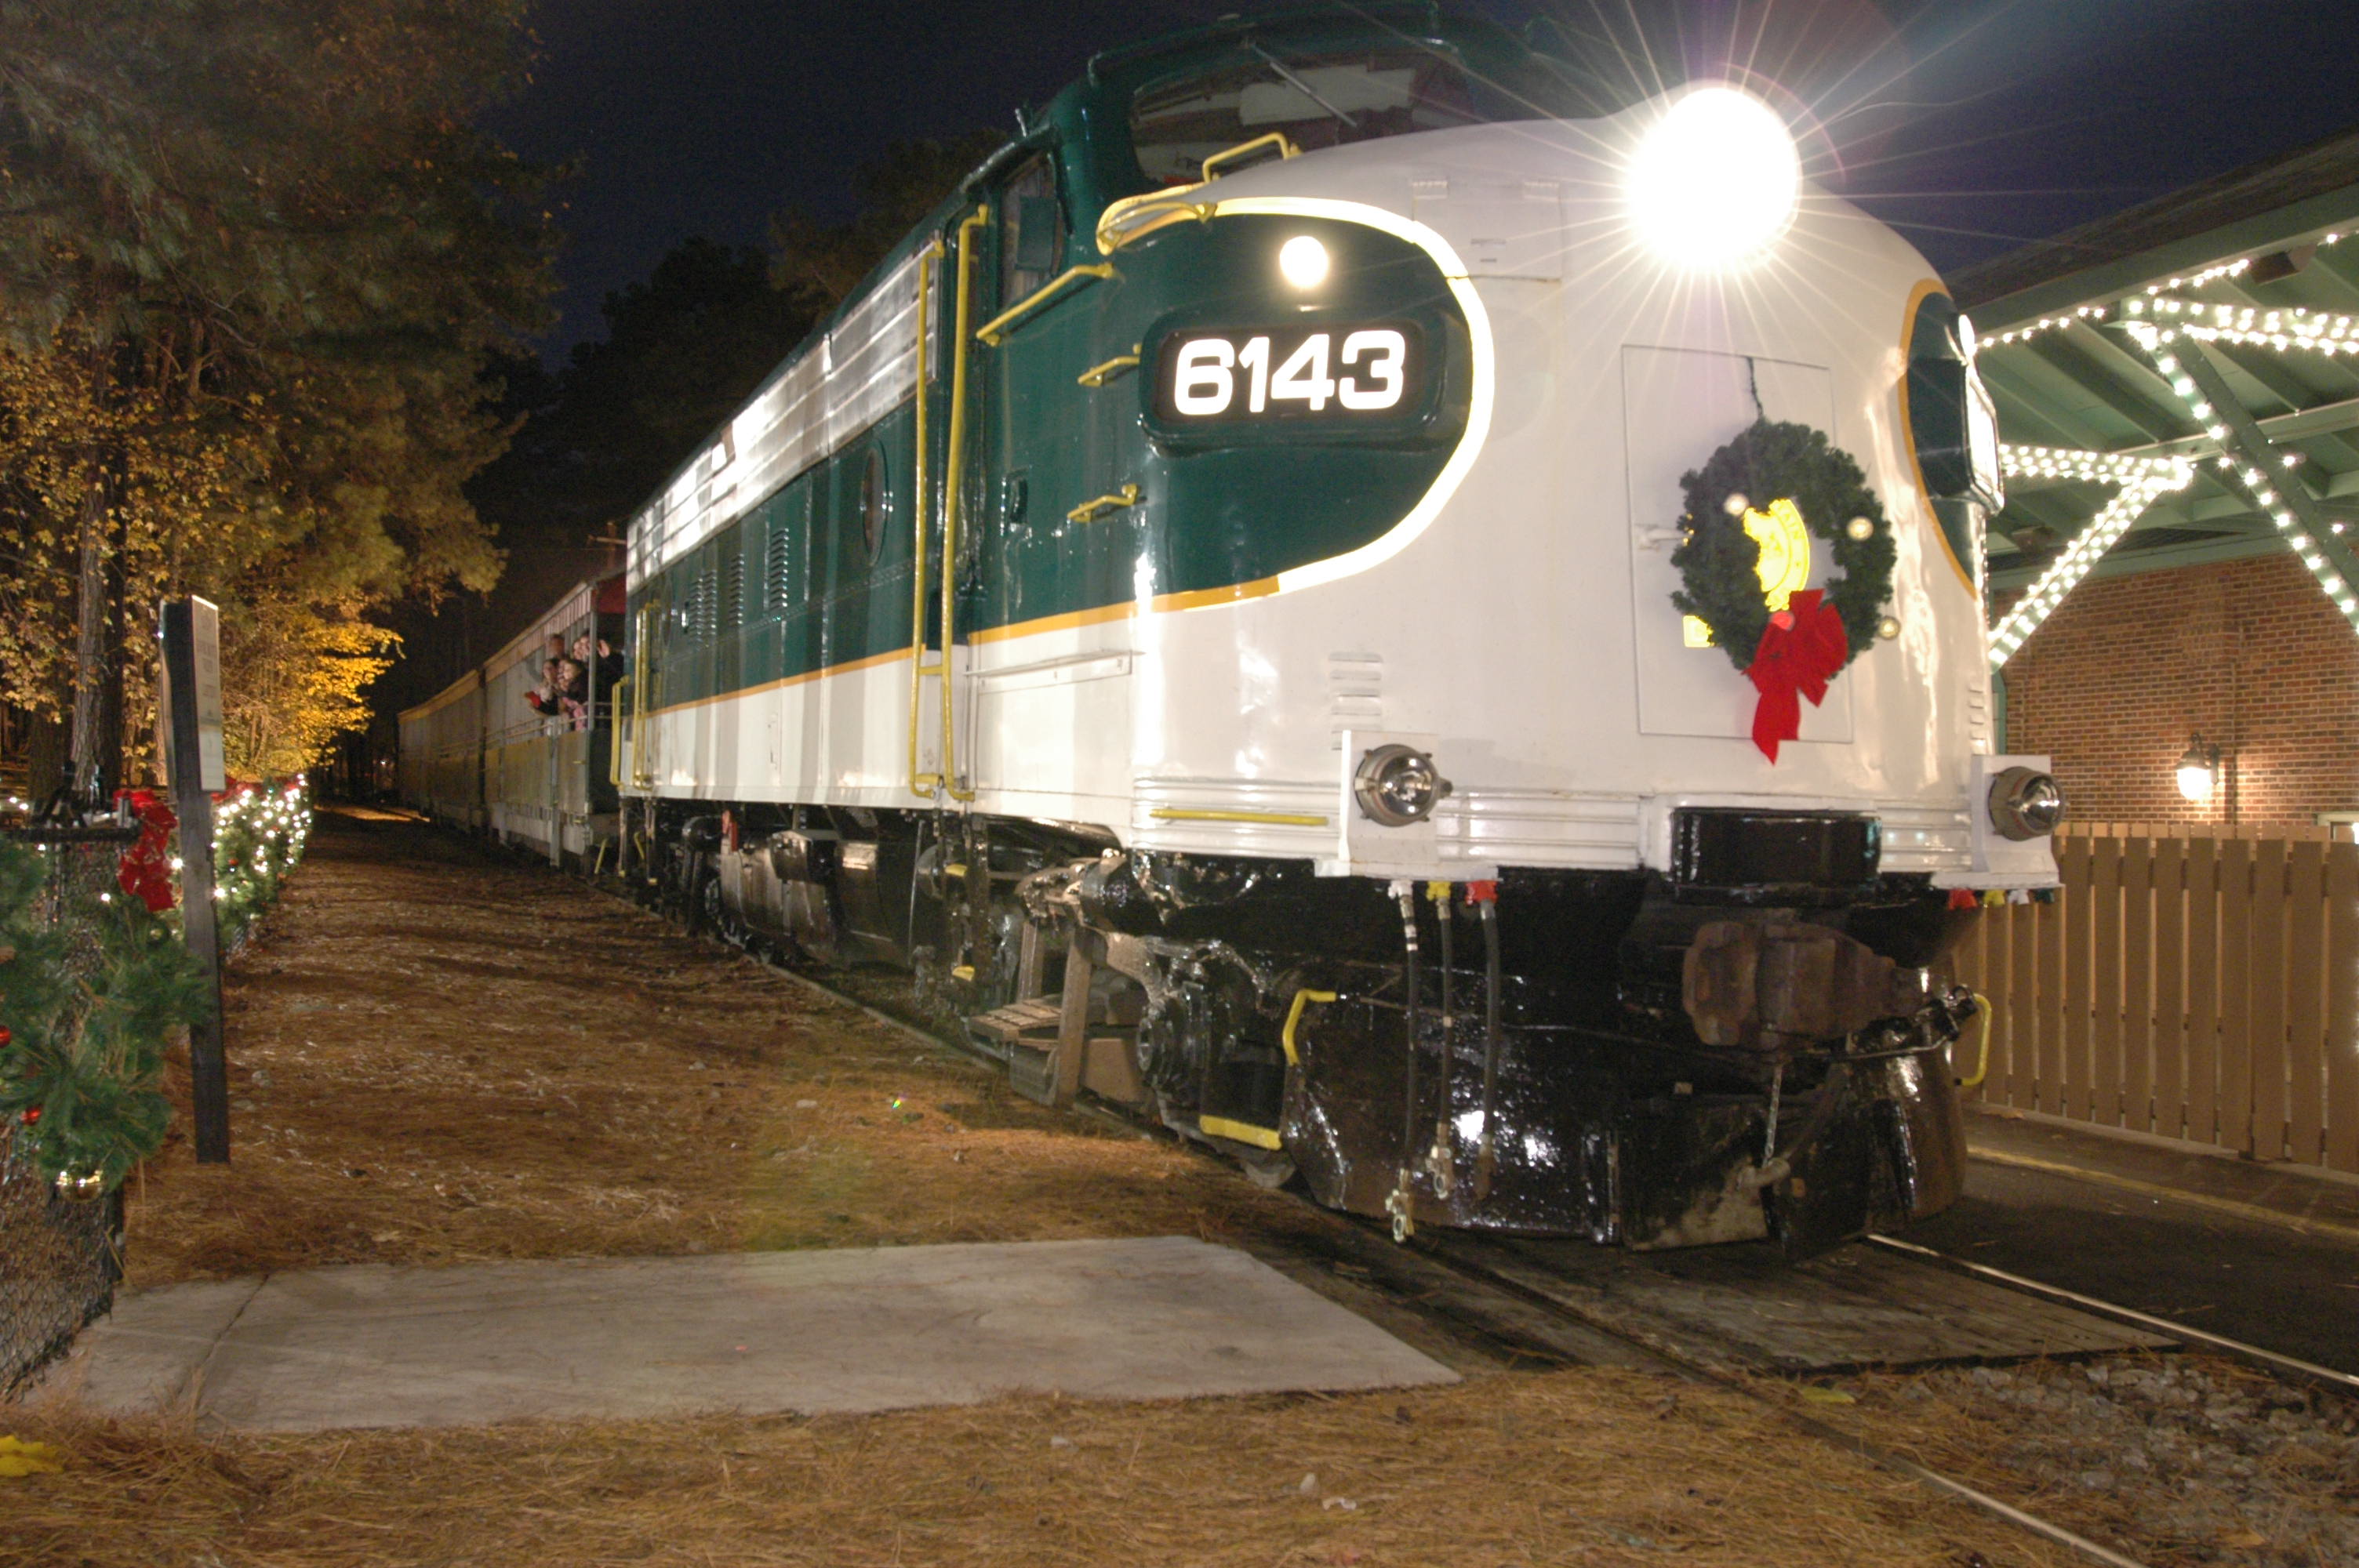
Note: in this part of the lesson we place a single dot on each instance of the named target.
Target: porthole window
(874, 500)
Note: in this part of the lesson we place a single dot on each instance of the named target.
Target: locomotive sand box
(1412, 616)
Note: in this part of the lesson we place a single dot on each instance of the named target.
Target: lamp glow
(1715, 181)
(1302, 261)
(2199, 773)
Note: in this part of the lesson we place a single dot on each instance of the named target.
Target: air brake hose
(1401, 1205)
(1485, 897)
(1437, 1159)
(1411, 984)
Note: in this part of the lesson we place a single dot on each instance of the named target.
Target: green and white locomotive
(1412, 616)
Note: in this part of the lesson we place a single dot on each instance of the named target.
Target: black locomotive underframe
(1606, 1116)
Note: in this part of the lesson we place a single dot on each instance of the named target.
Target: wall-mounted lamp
(2199, 770)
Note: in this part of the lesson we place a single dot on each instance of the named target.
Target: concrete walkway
(855, 1330)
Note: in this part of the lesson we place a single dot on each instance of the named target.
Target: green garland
(83, 1055)
(1719, 562)
(259, 832)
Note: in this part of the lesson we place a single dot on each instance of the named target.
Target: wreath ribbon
(1803, 648)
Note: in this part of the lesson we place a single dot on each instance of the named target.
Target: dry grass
(1589, 1467)
(441, 1057)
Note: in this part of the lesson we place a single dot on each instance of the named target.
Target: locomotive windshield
(1323, 100)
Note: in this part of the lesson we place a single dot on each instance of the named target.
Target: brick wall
(2250, 653)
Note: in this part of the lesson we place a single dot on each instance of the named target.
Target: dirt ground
(442, 1055)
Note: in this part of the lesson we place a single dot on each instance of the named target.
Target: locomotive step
(1107, 1068)
(1034, 1017)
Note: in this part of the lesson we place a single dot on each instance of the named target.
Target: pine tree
(252, 261)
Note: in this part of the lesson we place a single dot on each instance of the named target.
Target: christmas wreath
(91, 983)
(1776, 479)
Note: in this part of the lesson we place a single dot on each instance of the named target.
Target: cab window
(1031, 231)
(1326, 98)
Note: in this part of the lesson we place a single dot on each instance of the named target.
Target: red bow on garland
(1801, 649)
(147, 870)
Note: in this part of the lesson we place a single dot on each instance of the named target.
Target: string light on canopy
(2161, 345)
(2143, 482)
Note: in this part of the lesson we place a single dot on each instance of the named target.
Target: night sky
(1972, 124)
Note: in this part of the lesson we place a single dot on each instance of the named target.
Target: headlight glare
(1714, 182)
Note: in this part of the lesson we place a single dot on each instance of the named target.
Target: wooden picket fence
(2198, 986)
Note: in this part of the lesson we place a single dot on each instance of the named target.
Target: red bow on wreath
(147, 870)
(1801, 650)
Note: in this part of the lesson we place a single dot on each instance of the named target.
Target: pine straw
(1585, 1467)
(2268, 1517)
(439, 1056)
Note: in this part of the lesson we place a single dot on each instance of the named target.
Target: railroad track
(1745, 1313)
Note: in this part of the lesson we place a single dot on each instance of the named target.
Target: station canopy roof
(2219, 324)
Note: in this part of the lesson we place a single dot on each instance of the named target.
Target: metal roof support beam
(2264, 469)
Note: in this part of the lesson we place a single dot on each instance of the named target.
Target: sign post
(192, 757)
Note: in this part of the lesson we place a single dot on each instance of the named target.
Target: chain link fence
(60, 1258)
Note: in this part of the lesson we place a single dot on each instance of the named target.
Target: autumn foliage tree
(253, 260)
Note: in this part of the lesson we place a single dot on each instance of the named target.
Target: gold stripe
(844, 669)
(1162, 604)
(1917, 297)
(1282, 819)
(1241, 1132)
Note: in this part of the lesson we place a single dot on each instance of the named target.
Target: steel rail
(2096, 1306)
(1875, 1453)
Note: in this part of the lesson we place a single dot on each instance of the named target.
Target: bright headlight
(1714, 183)
(1303, 261)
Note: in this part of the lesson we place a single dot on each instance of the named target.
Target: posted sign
(192, 701)
(191, 726)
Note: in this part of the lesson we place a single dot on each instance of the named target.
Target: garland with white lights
(1719, 561)
(91, 984)
(259, 832)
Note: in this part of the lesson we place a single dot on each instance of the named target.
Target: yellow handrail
(1286, 149)
(1097, 375)
(921, 785)
(991, 332)
(1154, 210)
(1089, 511)
(640, 777)
(1294, 1016)
(614, 752)
(1161, 209)
(953, 473)
(1981, 1068)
